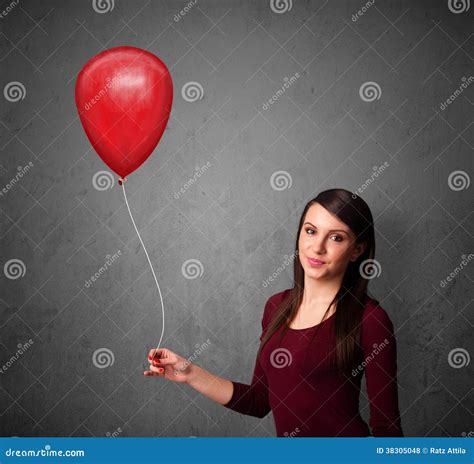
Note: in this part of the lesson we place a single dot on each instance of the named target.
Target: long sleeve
(252, 399)
(380, 358)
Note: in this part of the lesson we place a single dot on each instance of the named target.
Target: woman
(317, 337)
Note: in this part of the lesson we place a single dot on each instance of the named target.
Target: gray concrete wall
(263, 161)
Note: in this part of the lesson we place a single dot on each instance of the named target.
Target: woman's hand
(169, 365)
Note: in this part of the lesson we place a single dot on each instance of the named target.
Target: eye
(338, 237)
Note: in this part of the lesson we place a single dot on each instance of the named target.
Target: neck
(320, 291)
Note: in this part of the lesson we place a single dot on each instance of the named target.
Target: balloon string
(122, 183)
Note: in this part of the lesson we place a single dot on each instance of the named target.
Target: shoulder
(272, 304)
(374, 313)
(376, 322)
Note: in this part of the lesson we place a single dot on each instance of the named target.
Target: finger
(157, 370)
(155, 352)
(158, 360)
(150, 374)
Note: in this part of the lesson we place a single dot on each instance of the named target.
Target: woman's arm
(380, 354)
(215, 388)
(251, 400)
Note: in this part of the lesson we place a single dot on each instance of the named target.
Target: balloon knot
(121, 181)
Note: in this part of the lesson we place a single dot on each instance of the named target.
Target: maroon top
(306, 396)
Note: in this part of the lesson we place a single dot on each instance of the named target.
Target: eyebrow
(334, 230)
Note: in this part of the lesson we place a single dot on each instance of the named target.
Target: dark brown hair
(352, 295)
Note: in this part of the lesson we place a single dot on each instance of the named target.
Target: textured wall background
(240, 217)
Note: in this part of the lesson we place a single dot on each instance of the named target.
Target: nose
(318, 245)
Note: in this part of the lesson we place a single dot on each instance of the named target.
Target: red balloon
(124, 97)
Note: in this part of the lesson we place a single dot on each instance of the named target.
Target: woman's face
(326, 238)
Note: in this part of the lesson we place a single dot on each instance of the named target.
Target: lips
(315, 261)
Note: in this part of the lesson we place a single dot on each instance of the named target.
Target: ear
(359, 249)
